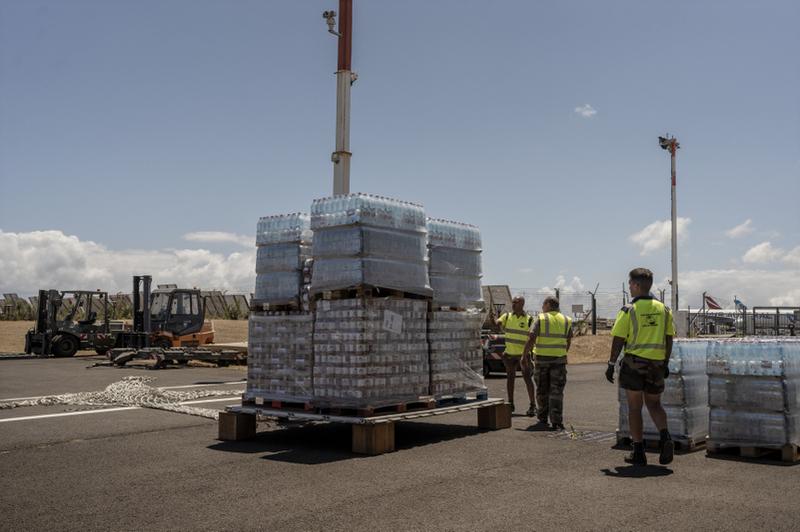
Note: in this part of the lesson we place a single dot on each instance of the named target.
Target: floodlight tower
(671, 145)
(344, 79)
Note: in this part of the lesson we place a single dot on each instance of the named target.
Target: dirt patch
(12, 335)
(228, 331)
(588, 349)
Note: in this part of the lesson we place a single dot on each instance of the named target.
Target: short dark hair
(643, 277)
(552, 302)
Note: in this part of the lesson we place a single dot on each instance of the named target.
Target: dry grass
(588, 349)
(12, 335)
(228, 331)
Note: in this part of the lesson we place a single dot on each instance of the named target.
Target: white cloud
(658, 235)
(753, 287)
(220, 237)
(51, 259)
(743, 229)
(792, 257)
(575, 285)
(762, 253)
(586, 111)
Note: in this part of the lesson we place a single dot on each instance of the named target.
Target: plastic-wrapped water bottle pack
(685, 396)
(455, 263)
(754, 392)
(370, 352)
(456, 355)
(284, 246)
(360, 239)
(280, 356)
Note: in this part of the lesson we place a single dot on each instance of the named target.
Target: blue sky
(126, 126)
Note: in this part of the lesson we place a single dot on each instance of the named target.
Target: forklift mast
(141, 306)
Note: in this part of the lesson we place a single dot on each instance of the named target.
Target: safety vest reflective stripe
(515, 338)
(552, 342)
(650, 349)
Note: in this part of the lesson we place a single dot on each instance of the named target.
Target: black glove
(666, 371)
(610, 373)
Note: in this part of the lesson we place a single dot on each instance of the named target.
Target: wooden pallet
(789, 453)
(459, 398)
(365, 291)
(683, 445)
(290, 305)
(300, 406)
(376, 410)
(370, 435)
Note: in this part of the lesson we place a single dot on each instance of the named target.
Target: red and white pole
(344, 79)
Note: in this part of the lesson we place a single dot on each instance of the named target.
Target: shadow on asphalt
(637, 471)
(331, 442)
(537, 427)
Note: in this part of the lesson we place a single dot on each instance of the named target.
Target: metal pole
(594, 315)
(344, 78)
(673, 147)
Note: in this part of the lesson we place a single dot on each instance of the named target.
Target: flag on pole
(739, 305)
(711, 303)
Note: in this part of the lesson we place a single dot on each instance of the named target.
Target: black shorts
(641, 374)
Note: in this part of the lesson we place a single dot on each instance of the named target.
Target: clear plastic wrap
(369, 210)
(281, 257)
(755, 357)
(359, 241)
(278, 287)
(294, 227)
(688, 357)
(335, 274)
(757, 429)
(683, 423)
(773, 394)
(456, 355)
(370, 352)
(280, 357)
(456, 291)
(446, 233)
(753, 391)
(451, 261)
(455, 263)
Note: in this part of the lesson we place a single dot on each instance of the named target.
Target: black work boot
(666, 448)
(637, 457)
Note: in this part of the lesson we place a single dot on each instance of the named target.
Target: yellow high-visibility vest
(516, 330)
(551, 341)
(645, 325)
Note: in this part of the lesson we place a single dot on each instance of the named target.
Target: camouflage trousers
(550, 377)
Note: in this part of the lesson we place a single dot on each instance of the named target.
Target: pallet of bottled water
(685, 397)
(283, 248)
(754, 392)
(370, 352)
(454, 263)
(279, 357)
(456, 355)
(366, 240)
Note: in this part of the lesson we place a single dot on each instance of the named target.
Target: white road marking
(159, 388)
(103, 410)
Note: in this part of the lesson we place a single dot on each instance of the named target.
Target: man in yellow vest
(645, 329)
(550, 338)
(515, 326)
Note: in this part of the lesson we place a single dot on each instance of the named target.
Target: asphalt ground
(145, 469)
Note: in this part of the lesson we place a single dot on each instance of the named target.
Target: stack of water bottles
(754, 392)
(283, 246)
(455, 263)
(362, 239)
(280, 356)
(685, 397)
(369, 352)
(456, 355)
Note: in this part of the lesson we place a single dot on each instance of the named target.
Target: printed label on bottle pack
(392, 322)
